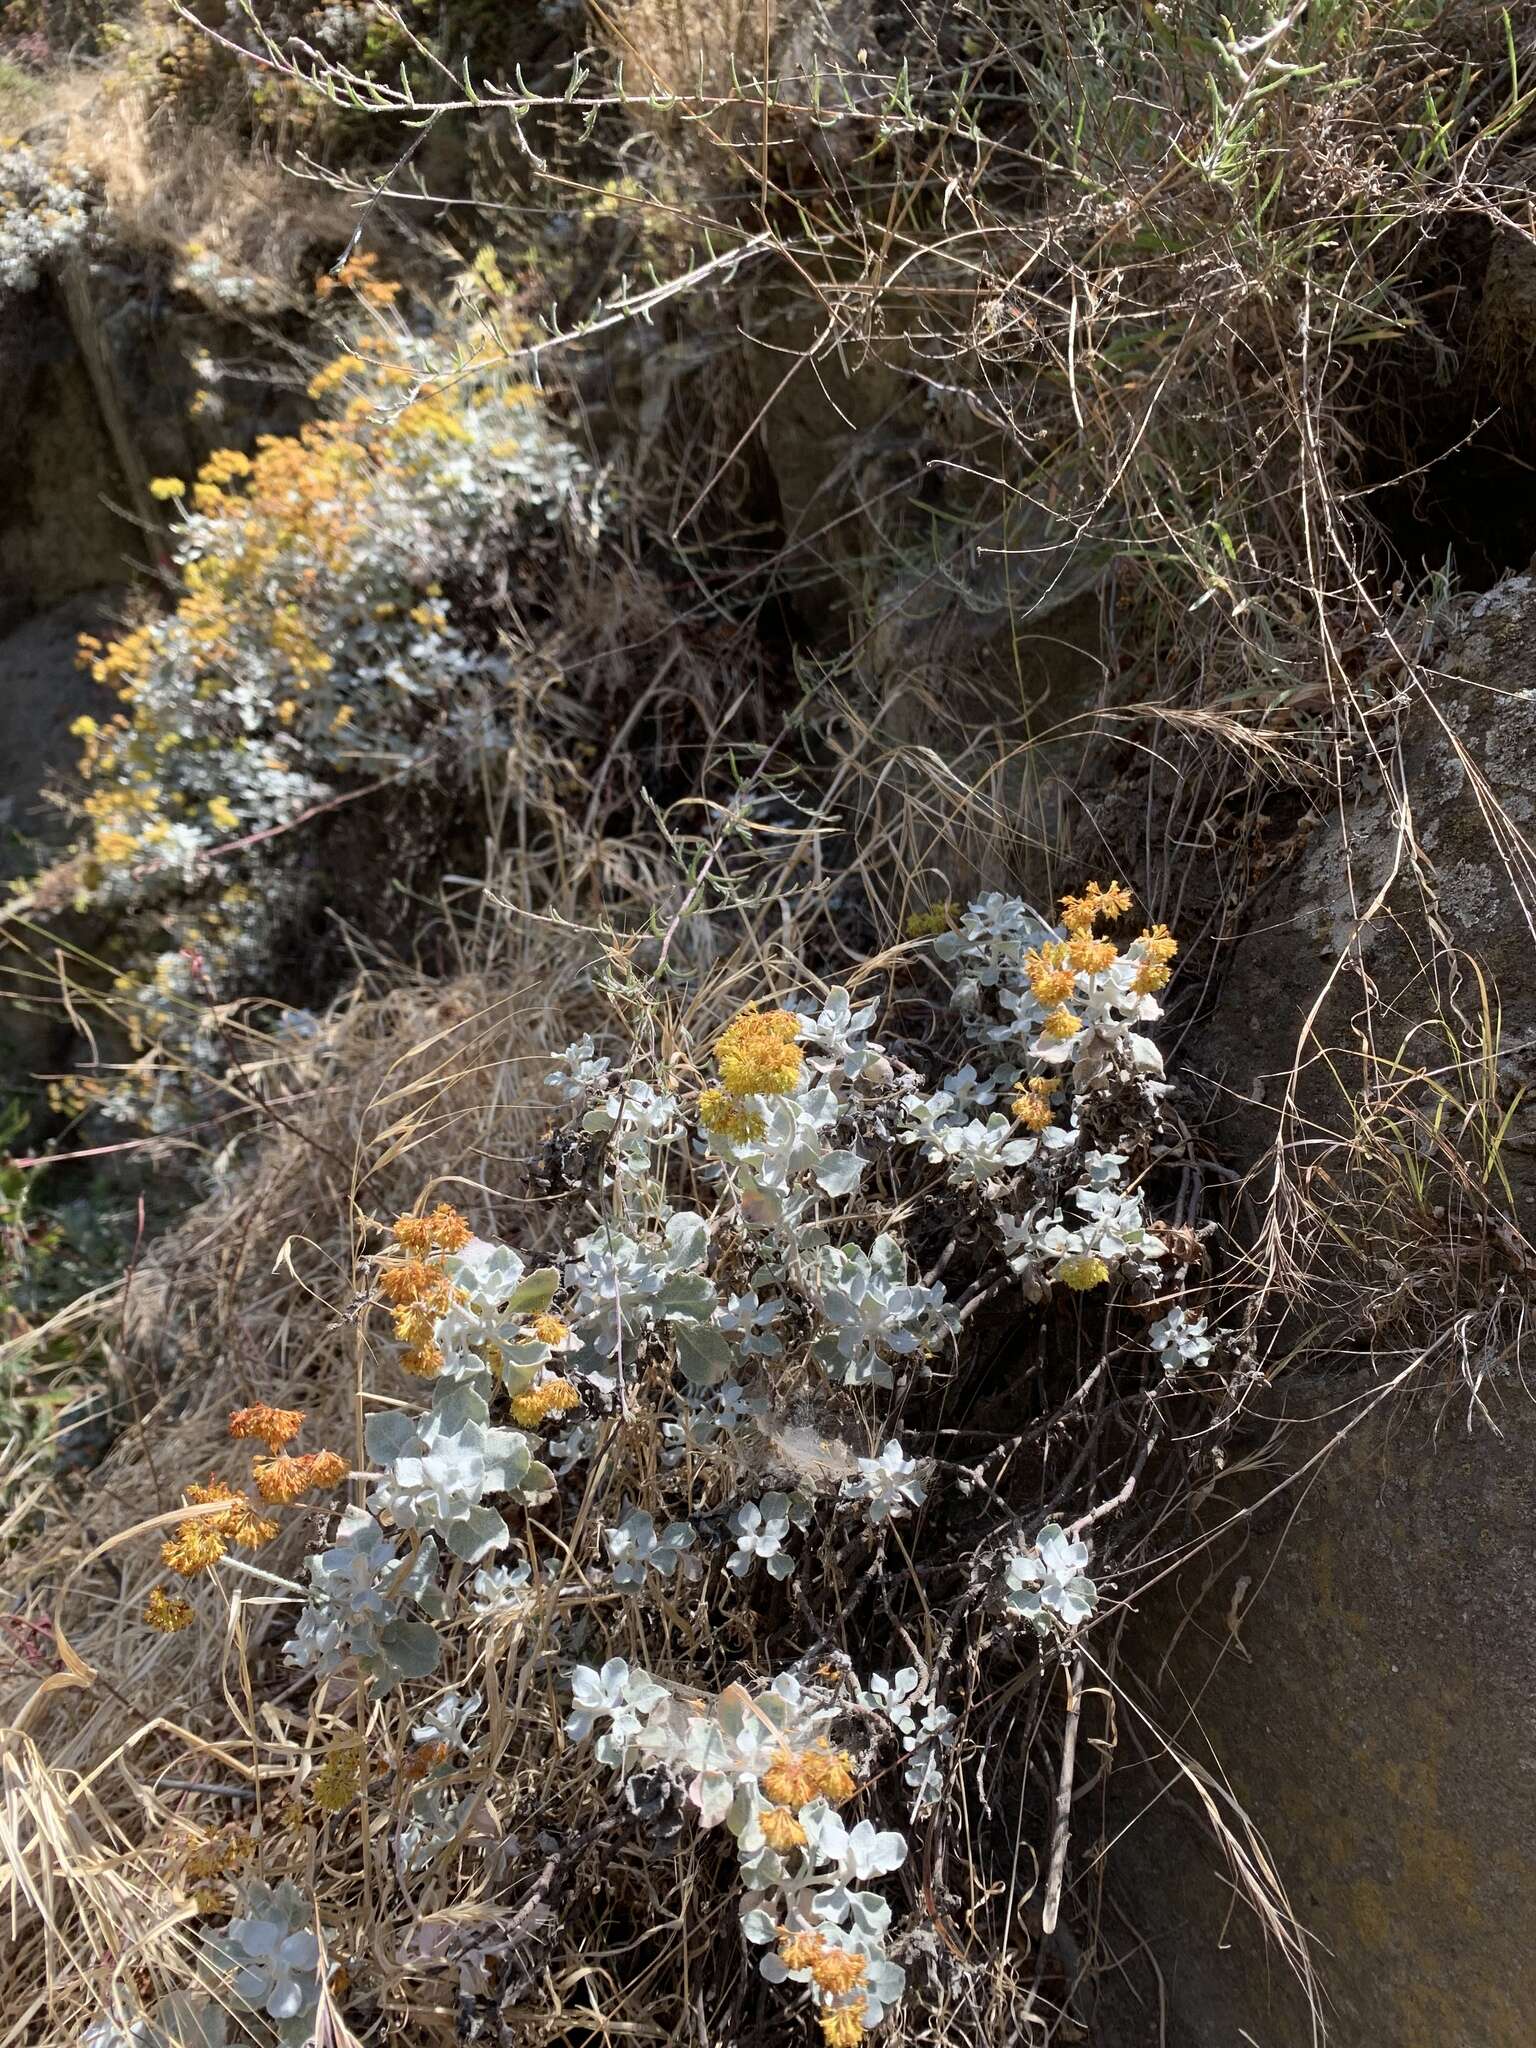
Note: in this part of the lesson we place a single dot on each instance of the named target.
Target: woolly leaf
(703, 1353)
(407, 1649)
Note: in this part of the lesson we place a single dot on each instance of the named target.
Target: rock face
(43, 690)
(956, 612)
(59, 533)
(99, 375)
(1375, 1711)
(1375, 1714)
(1402, 941)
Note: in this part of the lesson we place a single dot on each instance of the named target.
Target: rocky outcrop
(108, 378)
(1361, 1673)
(61, 529)
(1360, 1670)
(42, 691)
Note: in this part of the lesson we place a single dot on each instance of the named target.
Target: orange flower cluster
(442, 1230)
(417, 1287)
(1032, 1106)
(423, 1760)
(782, 1830)
(833, 1970)
(359, 274)
(198, 1543)
(281, 1480)
(279, 1477)
(796, 1777)
(275, 1427)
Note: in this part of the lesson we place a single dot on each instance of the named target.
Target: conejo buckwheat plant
(323, 642)
(668, 1461)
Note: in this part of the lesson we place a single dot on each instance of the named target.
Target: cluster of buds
(339, 1779)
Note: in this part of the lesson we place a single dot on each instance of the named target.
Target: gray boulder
(1361, 1674)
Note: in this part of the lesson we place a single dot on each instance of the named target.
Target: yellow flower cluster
(843, 2026)
(1082, 1270)
(167, 1612)
(194, 1547)
(726, 1116)
(199, 1542)
(216, 1858)
(1088, 955)
(756, 1054)
(239, 1524)
(1051, 978)
(1157, 948)
(551, 1396)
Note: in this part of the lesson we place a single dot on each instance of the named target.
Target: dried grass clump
(231, 225)
(418, 1087)
(731, 75)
